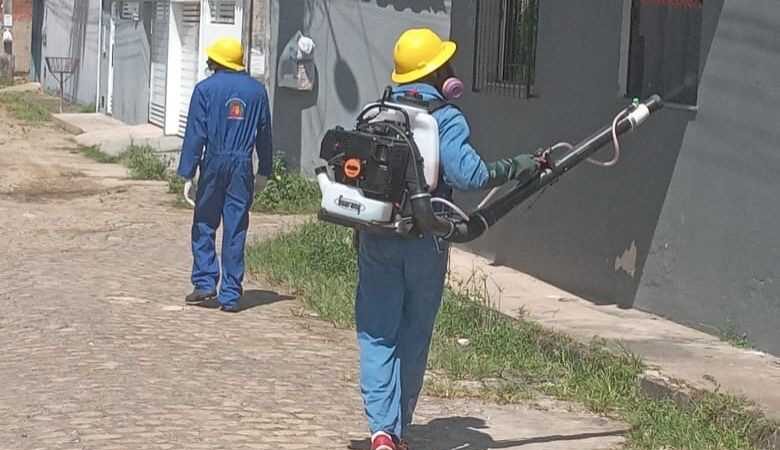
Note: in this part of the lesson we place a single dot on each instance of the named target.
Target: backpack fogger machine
(380, 176)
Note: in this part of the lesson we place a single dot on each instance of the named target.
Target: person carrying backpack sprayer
(400, 281)
(229, 115)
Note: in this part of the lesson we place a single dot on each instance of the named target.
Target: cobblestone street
(97, 350)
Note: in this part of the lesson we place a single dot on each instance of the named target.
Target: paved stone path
(98, 352)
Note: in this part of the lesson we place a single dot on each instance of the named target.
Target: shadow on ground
(254, 297)
(463, 433)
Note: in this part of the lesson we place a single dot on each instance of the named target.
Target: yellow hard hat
(418, 53)
(227, 52)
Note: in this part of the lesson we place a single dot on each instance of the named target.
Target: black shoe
(197, 297)
(211, 303)
(232, 308)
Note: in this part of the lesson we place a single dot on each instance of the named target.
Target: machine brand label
(350, 204)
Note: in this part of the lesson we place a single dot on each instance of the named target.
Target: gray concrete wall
(71, 29)
(583, 224)
(715, 257)
(353, 57)
(693, 240)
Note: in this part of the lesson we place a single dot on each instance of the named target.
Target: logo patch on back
(236, 109)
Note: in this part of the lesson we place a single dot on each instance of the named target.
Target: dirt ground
(39, 162)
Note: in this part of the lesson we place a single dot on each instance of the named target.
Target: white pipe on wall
(99, 54)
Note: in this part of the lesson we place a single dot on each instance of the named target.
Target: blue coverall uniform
(229, 115)
(400, 285)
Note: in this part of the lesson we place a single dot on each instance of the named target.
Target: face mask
(452, 88)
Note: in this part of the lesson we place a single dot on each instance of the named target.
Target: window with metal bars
(505, 47)
(129, 10)
(223, 11)
(664, 50)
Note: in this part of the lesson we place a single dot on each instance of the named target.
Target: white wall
(209, 32)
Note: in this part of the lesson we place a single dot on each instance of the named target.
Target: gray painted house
(139, 60)
(684, 226)
(67, 28)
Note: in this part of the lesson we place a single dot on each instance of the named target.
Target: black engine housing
(383, 158)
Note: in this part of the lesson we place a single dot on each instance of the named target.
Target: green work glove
(520, 168)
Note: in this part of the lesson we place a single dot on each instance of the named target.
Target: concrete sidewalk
(113, 136)
(679, 358)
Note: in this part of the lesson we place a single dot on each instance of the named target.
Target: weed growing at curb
(475, 342)
(144, 164)
(97, 155)
(731, 335)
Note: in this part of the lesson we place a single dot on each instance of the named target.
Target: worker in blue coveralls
(400, 281)
(229, 117)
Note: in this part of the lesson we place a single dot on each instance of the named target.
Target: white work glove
(189, 189)
(260, 182)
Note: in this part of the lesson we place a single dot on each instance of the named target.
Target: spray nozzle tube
(488, 214)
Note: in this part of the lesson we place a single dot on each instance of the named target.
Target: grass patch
(85, 109)
(287, 192)
(325, 271)
(26, 106)
(96, 154)
(318, 261)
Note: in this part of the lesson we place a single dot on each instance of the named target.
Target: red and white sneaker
(382, 441)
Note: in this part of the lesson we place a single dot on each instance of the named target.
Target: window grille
(223, 11)
(664, 50)
(505, 47)
(129, 10)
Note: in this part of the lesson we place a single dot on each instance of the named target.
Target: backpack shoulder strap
(437, 104)
(415, 99)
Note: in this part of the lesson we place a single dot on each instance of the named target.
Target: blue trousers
(225, 194)
(400, 285)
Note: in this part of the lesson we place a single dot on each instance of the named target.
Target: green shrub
(287, 192)
(144, 163)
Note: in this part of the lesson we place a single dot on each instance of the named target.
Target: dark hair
(438, 76)
(215, 66)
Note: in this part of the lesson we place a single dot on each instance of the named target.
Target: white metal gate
(190, 35)
(159, 58)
